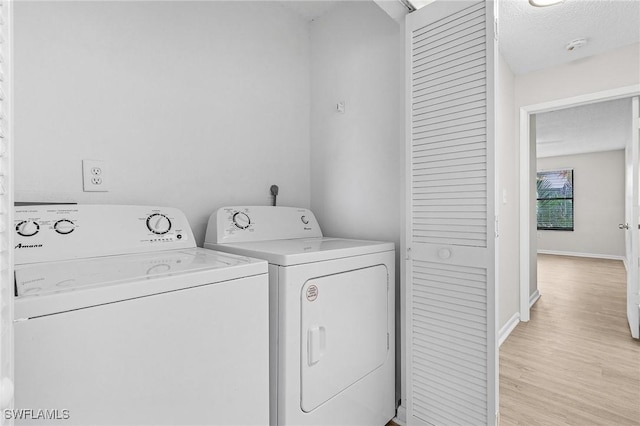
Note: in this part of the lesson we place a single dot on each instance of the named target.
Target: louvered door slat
(451, 169)
(447, 22)
(451, 305)
(449, 399)
(450, 60)
(436, 124)
(453, 51)
(451, 88)
(470, 24)
(456, 393)
(440, 157)
(456, 102)
(462, 37)
(454, 357)
(463, 339)
(456, 385)
(447, 364)
(449, 146)
(429, 81)
(450, 114)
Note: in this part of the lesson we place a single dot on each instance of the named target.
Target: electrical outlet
(93, 176)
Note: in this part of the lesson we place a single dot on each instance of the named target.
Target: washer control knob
(304, 220)
(27, 228)
(64, 226)
(158, 223)
(241, 220)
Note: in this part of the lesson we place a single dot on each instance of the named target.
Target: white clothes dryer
(120, 319)
(332, 315)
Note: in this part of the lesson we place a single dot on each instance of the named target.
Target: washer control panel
(261, 223)
(59, 232)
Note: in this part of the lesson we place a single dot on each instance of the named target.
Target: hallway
(575, 362)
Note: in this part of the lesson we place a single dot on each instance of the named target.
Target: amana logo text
(20, 245)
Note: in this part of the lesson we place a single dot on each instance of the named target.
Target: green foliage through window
(554, 209)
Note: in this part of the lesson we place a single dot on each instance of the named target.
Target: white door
(632, 211)
(344, 331)
(6, 212)
(451, 359)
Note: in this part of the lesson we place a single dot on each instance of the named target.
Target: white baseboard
(401, 416)
(591, 255)
(534, 298)
(506, 329)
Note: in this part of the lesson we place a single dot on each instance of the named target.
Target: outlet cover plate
(94, 176)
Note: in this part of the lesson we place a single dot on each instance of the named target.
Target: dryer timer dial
(241, 220)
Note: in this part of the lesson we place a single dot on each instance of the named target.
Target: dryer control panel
(260, 223)
(45, 233)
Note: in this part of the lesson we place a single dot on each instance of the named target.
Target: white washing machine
(120, 319)
(331, 315)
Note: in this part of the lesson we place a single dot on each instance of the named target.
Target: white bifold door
(451, 359)
(632, 210)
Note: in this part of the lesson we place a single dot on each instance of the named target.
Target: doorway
(528, 168)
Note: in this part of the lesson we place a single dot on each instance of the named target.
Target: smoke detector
(575, 44)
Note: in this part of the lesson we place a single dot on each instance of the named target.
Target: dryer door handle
(316, 344)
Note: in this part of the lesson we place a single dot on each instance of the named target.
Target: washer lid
(303, 250)
(53, 287)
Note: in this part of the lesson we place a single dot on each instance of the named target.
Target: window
(554, 209)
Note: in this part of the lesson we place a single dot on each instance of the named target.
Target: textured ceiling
(602, 126)
(534, 38)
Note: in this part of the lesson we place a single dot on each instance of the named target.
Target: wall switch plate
(94, 176)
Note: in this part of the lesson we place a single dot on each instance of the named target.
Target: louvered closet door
(451, 330)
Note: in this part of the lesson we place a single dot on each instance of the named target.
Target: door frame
(525, 114)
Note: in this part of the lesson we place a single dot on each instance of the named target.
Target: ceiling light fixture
(544, 3)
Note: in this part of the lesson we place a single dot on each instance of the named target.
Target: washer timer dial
(241, 220)
(158, 223)
(27, 228)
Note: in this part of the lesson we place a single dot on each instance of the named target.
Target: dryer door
(344, 331)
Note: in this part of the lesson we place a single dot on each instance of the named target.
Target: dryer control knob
(158, 223)
(64, 226)
(241, 220)
(27, 228)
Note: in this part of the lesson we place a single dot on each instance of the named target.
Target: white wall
(192, 104)
(506, 148)
(611, 70)
(357, 157)
(357, 57)
(598, 204)
(614, 69)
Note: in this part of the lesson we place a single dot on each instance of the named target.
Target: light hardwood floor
(575, 362)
